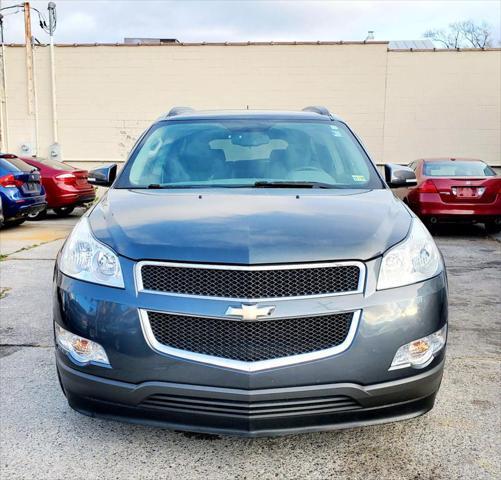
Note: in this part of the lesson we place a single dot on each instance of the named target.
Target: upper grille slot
(273, 281)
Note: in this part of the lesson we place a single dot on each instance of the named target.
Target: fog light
(81, 349)
(420, 352)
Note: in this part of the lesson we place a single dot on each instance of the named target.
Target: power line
(11, 6)
(47, 26)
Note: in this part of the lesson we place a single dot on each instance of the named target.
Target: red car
(455, 189)
(66, 187)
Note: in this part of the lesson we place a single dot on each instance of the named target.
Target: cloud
(78, 21)
(195, 20)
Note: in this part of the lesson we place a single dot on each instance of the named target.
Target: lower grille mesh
(250, 341)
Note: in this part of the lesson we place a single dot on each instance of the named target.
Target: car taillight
(66, 178)
(10, 181)
(427, 187)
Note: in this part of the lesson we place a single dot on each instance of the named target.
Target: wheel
(493, 227)
(63, 211)
(38, 215)
(14, 223)
(430, 223)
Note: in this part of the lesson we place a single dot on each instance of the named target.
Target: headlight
(415, 259)
(81, 349)
(84, 258)
(420, 352)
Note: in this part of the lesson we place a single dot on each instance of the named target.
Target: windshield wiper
(159, 186)
(292, 184)
(259, 184)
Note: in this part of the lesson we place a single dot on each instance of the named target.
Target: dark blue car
(21, 191)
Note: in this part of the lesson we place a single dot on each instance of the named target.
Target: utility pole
(29, 55)
(55, 151)
(4, 139)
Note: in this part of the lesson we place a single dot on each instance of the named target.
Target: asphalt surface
(42, 438)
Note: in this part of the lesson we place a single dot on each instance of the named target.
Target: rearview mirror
(250, 139)
(103, 176)
(399, 176)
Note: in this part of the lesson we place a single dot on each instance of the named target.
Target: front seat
(204, 163)
(278, 164)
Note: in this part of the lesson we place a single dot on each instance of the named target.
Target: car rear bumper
(251, 413)
(16, 206)
(71, 199)
(38, 207)
(431, 205)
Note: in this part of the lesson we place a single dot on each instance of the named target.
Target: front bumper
(251, 413)
(353, 387)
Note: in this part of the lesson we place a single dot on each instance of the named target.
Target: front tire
(63, 211)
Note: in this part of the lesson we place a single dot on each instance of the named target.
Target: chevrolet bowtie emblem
(250, 312)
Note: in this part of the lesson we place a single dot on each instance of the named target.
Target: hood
(250, 226)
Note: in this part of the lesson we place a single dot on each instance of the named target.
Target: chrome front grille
(249, 345)
(251, 282)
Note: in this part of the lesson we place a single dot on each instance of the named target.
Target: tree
(466, 34)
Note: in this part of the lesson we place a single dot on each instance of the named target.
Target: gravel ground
(42, 438)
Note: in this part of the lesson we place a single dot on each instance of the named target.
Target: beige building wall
(443, 103)
(403, 104)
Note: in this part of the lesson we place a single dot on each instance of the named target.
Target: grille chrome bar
(138, 274)
(243, 365)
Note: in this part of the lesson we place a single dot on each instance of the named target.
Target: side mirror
(399, 176)
(103, 176)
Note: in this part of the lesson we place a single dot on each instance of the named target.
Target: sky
(89, 21)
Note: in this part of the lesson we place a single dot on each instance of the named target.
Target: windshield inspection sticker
(359, 178)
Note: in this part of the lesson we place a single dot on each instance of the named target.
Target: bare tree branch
(463, 34)
(440, 36)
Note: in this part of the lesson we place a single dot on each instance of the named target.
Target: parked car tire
(38, 216)
(493, 227)
(63, 211)
(14, 223)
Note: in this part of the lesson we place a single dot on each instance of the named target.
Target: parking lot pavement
(31, 234)
(42, 438)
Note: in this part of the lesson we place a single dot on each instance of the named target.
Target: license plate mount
(464, 192)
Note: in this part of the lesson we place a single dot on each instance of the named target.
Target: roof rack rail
(318, 109)
(179, 111)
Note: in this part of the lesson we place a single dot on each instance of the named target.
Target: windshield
(246, 153)
(457, 168)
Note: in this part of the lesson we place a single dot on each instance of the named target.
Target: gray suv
(250, 273)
